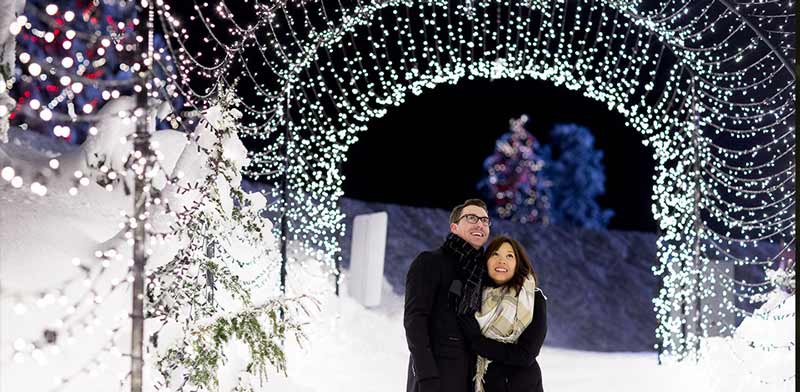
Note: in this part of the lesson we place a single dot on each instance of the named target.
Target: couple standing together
(475, 320)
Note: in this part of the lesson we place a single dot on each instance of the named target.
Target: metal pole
(142, 154)
(697, 224)
(285, 196)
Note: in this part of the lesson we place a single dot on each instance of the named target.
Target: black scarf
(465, 293)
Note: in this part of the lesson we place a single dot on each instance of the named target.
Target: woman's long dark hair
(524, 267)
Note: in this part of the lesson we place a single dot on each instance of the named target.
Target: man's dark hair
(456, 213)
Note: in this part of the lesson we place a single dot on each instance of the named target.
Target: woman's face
(502, 264)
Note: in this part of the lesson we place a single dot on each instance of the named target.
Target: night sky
(429, 151)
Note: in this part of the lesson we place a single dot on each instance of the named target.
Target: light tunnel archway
(690, 92)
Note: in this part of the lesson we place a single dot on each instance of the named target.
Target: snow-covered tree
(574, 168)
(760, 356)
(215, 317)
(214, 297)
(514, 186)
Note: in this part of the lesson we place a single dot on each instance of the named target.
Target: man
(440, 285)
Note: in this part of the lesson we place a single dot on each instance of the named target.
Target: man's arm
(521, 353)
(421, 286)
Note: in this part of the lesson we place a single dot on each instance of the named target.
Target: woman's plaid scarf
(504, 315)
(466, 292)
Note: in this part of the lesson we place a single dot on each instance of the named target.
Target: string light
(81, 297)
(709, 86)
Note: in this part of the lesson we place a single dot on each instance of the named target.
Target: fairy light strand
(706, 85)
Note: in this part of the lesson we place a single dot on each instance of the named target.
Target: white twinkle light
(715, 112)
(67, 62)
(34, 69)
(38, 189)
(721, 149)
(46, 114)
(14, 28)
(7, 173)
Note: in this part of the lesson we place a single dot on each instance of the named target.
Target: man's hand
(469, 327)
(429, 385)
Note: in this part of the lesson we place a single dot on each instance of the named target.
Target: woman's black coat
(513, 367)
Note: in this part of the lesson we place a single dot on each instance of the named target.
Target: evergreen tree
(215, 294)
(74, 56)
(576, 173)
(514, 186)
(8, 46)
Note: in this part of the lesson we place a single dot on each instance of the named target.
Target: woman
(508, 331)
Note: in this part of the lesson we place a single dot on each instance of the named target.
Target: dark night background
(429, 151)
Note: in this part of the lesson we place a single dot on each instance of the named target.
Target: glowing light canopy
(709, 85)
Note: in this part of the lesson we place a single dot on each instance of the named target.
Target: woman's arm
(521, 353)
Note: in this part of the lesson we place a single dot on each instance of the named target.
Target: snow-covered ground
(352, 348)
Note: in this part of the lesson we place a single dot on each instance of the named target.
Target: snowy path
(351, 348)
(356, 349)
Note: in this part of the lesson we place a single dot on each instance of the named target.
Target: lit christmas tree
(575, 169)
(8, 14)
(514, 186)
(73, 56)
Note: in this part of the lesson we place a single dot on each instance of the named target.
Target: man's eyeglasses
(473, 219)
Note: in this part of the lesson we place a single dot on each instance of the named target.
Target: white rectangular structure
(367, 251)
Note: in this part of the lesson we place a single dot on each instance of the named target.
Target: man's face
(475, 234)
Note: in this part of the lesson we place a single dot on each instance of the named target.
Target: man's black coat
(440, 359)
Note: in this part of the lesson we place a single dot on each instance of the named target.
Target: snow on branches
(216, 313)
(215, 317)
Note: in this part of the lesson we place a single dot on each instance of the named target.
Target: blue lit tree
(514, 187)
(576, 173)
